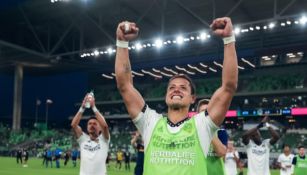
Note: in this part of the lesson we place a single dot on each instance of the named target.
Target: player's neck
(93, 136)
(177, 115)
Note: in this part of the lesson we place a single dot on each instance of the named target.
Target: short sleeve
(145, 122)
(82, 138)
(206, 130)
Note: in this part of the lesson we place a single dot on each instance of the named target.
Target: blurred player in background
(258, 150)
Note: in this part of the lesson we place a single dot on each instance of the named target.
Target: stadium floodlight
(283, 24)
(203, 36)
(96, 52)
(237, 31)
(265, 27)
(258, 27)
(303, 20)
(289, 22)
(159, 43)
(271, 25)
(179, 40)
(251, 28)
(138, 46)
(110, 50)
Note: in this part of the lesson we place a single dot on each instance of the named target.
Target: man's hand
(84, 101)
(222, 27)
(127, 31)
(91, 99)
(265, 119)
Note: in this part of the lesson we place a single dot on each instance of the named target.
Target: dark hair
(192, 85)
(300, 146)
(92, 117)
(202, 102)
(285, 145)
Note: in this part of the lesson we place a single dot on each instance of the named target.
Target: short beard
(176, 107)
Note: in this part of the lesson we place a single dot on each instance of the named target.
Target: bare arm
(76, 120)
(101, 120)
(246, 135)
(103, 124)
(219, 148)
(274, 136)
(134, 139)
(132, 98)
(221, 99)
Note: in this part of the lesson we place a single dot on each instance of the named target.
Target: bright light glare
(179, 40)
(138, 46)
(203, 36)
(237, 30)
(303, 20)
(159, 43)
(271, 25)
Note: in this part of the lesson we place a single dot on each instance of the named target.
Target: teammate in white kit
(231, 159)
(285, 161)
(258, 150)
(94, 146)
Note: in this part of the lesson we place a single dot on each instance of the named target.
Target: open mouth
(178, 97)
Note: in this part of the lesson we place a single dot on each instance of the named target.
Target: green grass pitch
(8, 166)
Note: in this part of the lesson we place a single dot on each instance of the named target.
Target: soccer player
(217, 150)
(138, 144)
(94, 146)
(177, 144)
(258, 150)
(300, 162)
(285, 161)
(127, 159)
(231, 159)
(119, 158)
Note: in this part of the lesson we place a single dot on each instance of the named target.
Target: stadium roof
(53, 34)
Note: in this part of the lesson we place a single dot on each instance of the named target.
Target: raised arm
(246, 135)
(134, 139)
(101, 120)
(76, 120)
(132, 98)
(274, 135)
(221, 99)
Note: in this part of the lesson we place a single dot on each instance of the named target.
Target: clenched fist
(222, 27)
(126, 31)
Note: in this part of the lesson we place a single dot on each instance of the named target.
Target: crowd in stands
(208, 86)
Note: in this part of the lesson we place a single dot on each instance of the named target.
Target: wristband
(260, 125)
(230, 39)
(95, 109)
(81, 109)
(122, 44)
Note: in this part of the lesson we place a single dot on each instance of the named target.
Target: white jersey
(258, 158)
(146, 122)
(230, 163)
(93, 155)
(285, 161)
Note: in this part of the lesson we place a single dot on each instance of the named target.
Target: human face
(286, 150)
(301, 151)
(256, 137)
(178, 94)
(93, 127)
(230, 145)
(202, 107)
